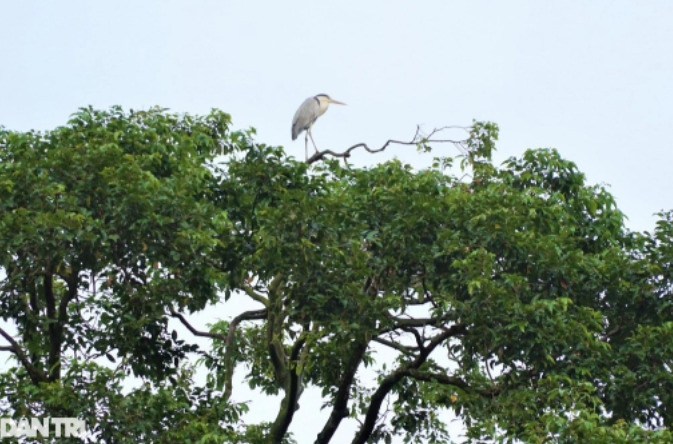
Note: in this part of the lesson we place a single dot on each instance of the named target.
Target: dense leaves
(512, 295)
(104, 225)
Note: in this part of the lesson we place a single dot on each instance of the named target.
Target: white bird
(307, 114)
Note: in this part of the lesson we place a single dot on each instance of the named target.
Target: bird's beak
(336, 101)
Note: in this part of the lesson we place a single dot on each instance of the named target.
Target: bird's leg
(306, 145)
(311, 136)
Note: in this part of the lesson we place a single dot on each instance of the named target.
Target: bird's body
(308, 113)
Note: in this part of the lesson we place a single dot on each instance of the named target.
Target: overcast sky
(590, 78)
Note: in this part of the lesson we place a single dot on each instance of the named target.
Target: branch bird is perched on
(307, 114)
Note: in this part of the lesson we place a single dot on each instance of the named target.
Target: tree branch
(417, 139)
(195, 332)
(36, 375)
(228, 340)
(292, 389)
(447, 380)
(340, 408)
(409, 351)
(71, 281)
(55, 336)
(255, 296)
(274, 333)
(389, 382)
(420, 341)
(229, 346)
(418, 322)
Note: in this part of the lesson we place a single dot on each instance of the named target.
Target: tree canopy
(512, 295)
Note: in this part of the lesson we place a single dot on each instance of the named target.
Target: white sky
(592, 79)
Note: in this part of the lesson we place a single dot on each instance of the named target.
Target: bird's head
(324, 98)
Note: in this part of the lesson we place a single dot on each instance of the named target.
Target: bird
(307, 114)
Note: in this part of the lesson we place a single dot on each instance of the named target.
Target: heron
(307, 114)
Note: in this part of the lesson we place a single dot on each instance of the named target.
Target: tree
(514, 296)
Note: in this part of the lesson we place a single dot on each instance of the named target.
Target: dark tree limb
(32, 329)
(293, 389)
(392, 379)
(274, 332)
(229, 340)
(59, 323)
(340, 407)
(55, 329)
(417, 336)
(194, 331)
(416, 140)
(414, 322)
(71, 281)
(57, 314)
(36, 375)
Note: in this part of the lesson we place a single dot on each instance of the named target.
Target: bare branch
(417, 139)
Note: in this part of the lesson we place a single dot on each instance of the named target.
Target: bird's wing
(305, 116)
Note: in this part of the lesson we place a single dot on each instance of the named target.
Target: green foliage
(514, 298)
(105, 224)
